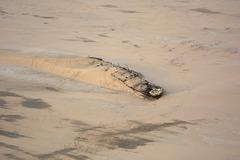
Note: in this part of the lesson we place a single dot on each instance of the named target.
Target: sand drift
(91, 70)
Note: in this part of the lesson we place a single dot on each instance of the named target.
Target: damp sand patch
(35, 103)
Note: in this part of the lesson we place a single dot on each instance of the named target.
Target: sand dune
(90, 70)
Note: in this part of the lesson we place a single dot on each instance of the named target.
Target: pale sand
(190, 48)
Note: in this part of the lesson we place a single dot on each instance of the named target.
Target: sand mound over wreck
(90, 70)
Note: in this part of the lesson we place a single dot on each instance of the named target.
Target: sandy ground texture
(54, 105)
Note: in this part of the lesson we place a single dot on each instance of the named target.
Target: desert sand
(54, 105)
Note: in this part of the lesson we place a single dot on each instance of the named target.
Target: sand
(190, 48)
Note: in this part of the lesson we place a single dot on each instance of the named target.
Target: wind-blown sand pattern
(58, 102)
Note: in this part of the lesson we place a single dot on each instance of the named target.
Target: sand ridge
(89, 70)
